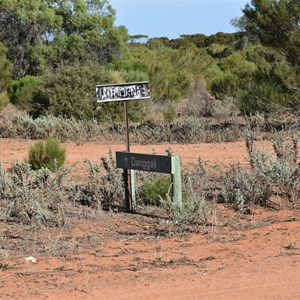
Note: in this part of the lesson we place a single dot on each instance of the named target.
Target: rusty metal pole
(127, 174)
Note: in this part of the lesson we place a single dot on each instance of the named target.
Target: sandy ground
(216, 156)
(125, 256)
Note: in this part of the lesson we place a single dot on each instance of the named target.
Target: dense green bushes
(55, 68)
(5, 77)
(21, 91)
(69, 91)
(43, 34)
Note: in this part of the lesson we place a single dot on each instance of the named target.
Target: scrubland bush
(41, 197)
(21, 91)
(4, 100)
(243, 188)
(5, 76)
(194, 212)
(22, 125)
(281, 167)
(202, 104)
(33, 197)
(47, 154)
(44, 198)
(169, 113)
(186, 130)
(66, 91)
(156, 189)
(103, 191)
(269, 171)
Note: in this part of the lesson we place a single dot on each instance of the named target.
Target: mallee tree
(45, 33)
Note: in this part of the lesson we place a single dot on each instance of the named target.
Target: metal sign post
(125, 92)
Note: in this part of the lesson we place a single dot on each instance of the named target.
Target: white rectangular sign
(123, 92)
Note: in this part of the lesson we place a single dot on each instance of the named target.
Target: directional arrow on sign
(126, 161)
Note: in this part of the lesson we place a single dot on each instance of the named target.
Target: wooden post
(128, 180)
(176, 186)
(132, 181)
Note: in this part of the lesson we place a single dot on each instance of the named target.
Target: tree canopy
(277, 24)
(43, 33)
(55, 51)
(5, 78)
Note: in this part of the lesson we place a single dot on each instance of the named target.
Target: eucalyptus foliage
(276, 24)
(5, 77)
(43, 33)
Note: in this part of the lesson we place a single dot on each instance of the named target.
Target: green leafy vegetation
(169, 113)
(64, 48)
(5, 76)
(56, 32)
(47, 154)
(157, 189)
(275, 24)
(21, 91)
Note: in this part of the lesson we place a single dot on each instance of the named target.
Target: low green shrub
(4, 100)
(47, 154)
(5, 76)
(156, 189)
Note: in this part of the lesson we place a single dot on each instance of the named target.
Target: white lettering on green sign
(144, 164)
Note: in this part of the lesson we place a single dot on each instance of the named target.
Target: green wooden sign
(144, 162)
(152, 163)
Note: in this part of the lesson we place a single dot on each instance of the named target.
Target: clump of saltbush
(34, 197)
(102, 191)
(47, 154)
(243, 188)
(22, 125)
(277, 171)
(281, 167)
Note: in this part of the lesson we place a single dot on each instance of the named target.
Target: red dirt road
(122, 256)
(216, 156)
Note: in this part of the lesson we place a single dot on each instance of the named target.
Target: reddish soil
(216, 156)
(126, 256)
